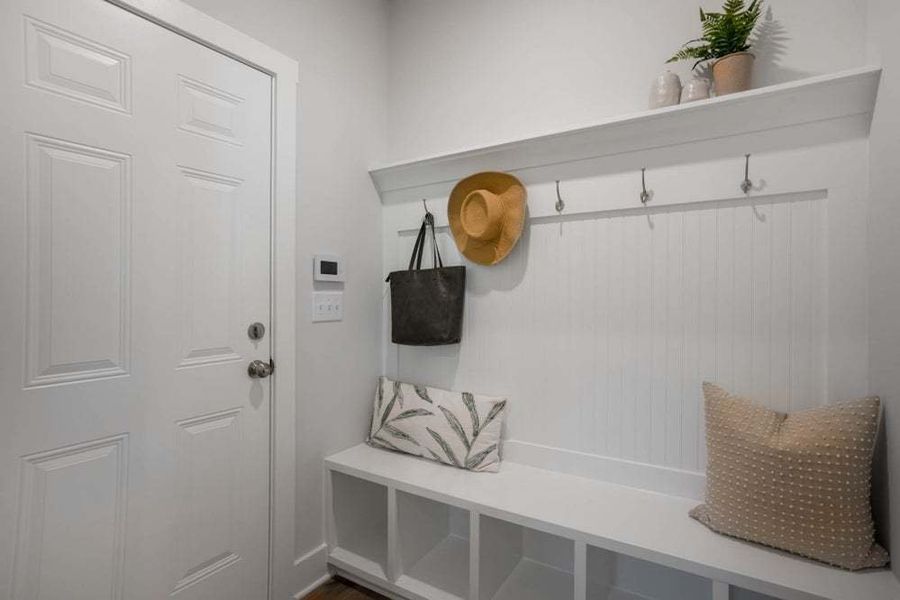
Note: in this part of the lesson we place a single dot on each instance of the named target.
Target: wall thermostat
(328, 267)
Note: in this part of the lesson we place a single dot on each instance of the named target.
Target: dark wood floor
(341, 589)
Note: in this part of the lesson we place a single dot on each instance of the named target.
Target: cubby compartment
(612, 576)
(520, 563)
(432, 548)
(360, 523)
(742, 594)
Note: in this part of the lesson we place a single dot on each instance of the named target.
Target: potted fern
(725, 41)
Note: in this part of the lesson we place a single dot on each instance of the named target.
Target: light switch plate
(327, 306)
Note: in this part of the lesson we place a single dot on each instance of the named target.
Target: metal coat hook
(645, 195)
(560, 205)
(428, 215)
(746, 184)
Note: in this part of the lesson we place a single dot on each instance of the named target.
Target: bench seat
(636, 523)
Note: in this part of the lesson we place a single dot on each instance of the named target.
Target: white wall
(471, 72)
(884, 244)
(341, 46)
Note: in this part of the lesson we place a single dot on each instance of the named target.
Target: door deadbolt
(258, 369)
(256, 331)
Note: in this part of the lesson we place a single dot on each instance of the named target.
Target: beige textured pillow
(799, 482)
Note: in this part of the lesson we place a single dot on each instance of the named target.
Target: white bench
(415, 529)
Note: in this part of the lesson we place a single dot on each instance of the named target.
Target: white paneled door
(134, 254)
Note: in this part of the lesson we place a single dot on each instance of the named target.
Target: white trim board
(200, 27)
(643, 476)
(645, 525)
(313, 586)
(695, 181)
(807, 101)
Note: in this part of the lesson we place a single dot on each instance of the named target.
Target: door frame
(284, 71)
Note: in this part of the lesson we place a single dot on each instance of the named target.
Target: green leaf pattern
(379, 394)
(413, 412)
(457, 427)
(400, 434)
(402, 428)
(476, 459)
(422, 392)
(444, 446)
(495, 410)
(469, 400)
(387, 411)
(398, 393)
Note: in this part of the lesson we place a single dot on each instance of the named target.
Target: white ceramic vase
(696, 89)
(666, 90)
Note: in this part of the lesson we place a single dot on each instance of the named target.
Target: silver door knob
(258, 369)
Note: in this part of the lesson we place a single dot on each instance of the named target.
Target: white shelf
(822, 98)
(358, 562)
(361, 511)
(443, 573)
(612, 576)
(532, 580)
(636, 523)
(432, 548)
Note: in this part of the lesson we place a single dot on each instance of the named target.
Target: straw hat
(487, 214)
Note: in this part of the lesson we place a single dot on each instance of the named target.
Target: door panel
(209, 264)
(134, 254)
(63, 62)
(77, 193)
(88, 480)
(208, 489)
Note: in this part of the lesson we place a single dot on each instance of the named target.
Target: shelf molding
(837, 96)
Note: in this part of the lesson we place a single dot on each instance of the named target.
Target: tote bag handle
(419, 248)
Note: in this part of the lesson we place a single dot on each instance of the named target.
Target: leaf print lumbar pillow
(457, 428)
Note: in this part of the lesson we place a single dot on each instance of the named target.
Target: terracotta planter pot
(733, 73)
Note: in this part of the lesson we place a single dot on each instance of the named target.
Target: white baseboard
(312, 570)
(665, 480)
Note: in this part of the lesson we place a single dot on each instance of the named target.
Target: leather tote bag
(427, 304)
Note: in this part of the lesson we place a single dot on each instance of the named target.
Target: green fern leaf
(724, 32)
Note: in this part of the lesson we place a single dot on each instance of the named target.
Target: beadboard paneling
(602, 329)
(601, 326)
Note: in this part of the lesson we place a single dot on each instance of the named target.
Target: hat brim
(514, 197)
